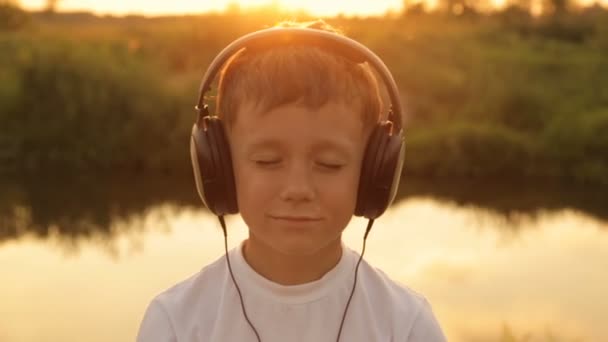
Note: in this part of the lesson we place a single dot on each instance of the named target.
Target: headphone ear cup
(212, 166)
(228, 194)
(380, 172)
(366, 176)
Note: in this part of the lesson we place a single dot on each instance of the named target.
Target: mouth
(288, 218)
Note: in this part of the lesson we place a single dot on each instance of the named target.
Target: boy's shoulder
(401, 306)
(177, 300)
(381, 288)
(183, 304)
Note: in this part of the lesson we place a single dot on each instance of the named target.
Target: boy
(298, 119)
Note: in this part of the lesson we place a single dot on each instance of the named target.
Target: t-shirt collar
(338, 277)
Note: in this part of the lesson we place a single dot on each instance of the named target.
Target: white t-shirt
(206, 307)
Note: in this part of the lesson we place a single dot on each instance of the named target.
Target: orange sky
(158, 7)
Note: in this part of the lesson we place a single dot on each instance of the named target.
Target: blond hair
(307, 75)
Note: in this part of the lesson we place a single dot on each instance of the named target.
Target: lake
(82, 258)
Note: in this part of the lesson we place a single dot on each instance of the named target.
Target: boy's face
(297, 174)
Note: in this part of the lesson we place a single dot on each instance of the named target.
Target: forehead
(332, 125)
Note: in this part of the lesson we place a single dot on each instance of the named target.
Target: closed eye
(330, 166)
(267, 162)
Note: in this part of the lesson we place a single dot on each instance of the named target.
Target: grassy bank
(502, 96)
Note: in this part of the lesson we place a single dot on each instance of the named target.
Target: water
(80, 260)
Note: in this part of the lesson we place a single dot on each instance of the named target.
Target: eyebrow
(263, 144)
(322, 145)
(335, 145)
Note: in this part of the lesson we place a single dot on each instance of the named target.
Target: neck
(287, 269)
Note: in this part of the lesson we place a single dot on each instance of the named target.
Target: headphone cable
(223, 224)
(352, 292)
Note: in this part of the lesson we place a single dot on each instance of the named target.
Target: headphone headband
(277, 36)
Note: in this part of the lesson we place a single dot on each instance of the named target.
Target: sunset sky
(159, 7)
(155, 7)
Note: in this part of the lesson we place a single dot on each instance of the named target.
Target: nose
(298, 186)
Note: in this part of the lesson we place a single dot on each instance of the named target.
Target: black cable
(223, 224)
(352, 292)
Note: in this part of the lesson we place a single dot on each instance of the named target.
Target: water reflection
(84, 208)
(513, 198)
(544, 281)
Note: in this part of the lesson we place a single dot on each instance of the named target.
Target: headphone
(384, 153)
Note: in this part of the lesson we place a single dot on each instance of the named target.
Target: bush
(11, 17)
(578, 145)
(70, 106)
(470, 150)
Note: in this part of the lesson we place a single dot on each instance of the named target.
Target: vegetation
(497, 95)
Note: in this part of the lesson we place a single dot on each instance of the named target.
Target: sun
(329, 7)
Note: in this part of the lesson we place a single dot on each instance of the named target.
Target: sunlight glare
(322, 8)
(499, 3)
(314, 7)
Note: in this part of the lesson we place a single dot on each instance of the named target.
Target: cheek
(340, 194)
(243, 180)
(253, 188)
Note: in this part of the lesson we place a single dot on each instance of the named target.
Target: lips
(294, 218)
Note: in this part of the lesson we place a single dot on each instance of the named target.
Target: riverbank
(502, 96)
